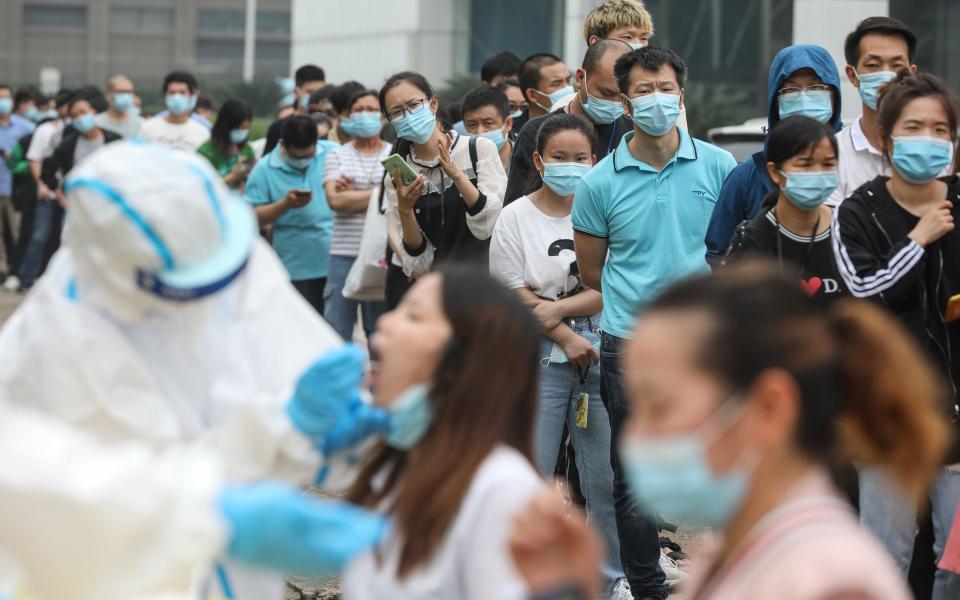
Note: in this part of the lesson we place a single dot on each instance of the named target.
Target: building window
(125, 19)
(55, 17)
(218, 50)
(220, 20)
(273, 23)
(272, 51)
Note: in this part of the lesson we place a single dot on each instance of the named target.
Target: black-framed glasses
(411, 106)
(797, 90)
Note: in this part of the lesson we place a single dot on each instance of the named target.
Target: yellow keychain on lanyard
(583, 399)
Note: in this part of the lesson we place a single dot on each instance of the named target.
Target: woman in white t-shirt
(351, 171)
(532, 252)
(455, 371)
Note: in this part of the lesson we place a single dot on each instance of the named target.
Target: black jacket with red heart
(811, 254)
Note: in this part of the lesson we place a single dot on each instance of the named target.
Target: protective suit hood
(150, 228)
(790, 60)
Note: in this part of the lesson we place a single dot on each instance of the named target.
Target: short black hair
(596, 52)
(205, 101)
(180, 77)
(94, 96)
(529, 73)
(486, 95)
(362, 94)
(878, 26)
(63, 97)
(324, 93)
(652, 59)
(298, 132)
(344, 92)
(23, 95)
(503, 64)
(506, 83)
(307, 74)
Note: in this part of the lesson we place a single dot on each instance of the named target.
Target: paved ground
(8, 303)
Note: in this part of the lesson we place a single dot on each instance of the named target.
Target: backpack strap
(473, 156)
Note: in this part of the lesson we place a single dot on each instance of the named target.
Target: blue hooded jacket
(748, 184)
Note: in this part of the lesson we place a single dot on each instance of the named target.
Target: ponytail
(890, 414)
(868, 393)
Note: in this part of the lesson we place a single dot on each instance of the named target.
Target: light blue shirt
(301, 236)
(10, 134)
(654, 222)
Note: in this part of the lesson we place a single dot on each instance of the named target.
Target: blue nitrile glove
(326, 390)
(361, 421)
(274, 526)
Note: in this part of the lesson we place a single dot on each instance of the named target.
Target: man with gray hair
(122, 117)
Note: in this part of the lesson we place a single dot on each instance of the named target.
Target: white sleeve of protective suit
(90, 522)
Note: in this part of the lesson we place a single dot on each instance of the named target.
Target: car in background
(740, 140)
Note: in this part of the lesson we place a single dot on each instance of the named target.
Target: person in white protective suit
(84, 521)
(165, 318)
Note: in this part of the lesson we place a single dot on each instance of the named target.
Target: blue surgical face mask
(6, 106)
(672, 475)
(362, 124)
(416, 126)
(193, 103)
(556, 96)
(637, 45)
(563, 177)
(517, 113)
(919, 159)
(83, 123)
(655, 114)
(870, 84)
(304, 102)
(239, 136)
(33, 114)
(411, 414)
(808, 190)
(50, 114)
(816, 104)
(495, 136)
(178, 104)
(122, 101)
(298, 163)
(601, 112)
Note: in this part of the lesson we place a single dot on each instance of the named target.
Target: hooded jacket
(747, 185)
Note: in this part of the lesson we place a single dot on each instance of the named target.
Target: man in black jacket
(597, 101)
(80, 140)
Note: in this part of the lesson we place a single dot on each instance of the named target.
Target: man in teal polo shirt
(286, 188)
(648, 204)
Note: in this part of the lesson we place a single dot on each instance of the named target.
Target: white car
(740, 140)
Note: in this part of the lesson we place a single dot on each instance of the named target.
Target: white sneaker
(620, 591)
(670, 568)
(12, 284)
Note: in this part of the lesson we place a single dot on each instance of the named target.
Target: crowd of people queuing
(566, 284)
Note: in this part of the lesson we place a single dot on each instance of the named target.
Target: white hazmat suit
(165, 319)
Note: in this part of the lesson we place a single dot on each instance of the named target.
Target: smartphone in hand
(396, 166)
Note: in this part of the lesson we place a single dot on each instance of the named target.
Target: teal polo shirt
(301, 236)
(654, 222)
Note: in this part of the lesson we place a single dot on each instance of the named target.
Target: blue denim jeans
(892, 517)
(560, 389)
(31, 267)
(341, 312)
(639, 534)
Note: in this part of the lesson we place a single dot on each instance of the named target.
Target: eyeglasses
(411, 107)
(796, 90)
